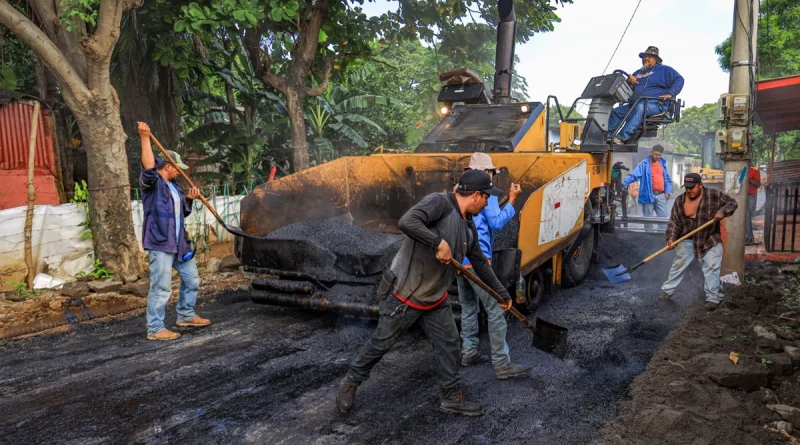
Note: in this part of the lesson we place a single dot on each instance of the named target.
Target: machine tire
(577, 265)
(535, 291)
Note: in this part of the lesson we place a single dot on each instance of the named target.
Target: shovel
(234, 230)
(618, 273)
(547, 336)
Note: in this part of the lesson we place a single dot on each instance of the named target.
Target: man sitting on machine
(653, 79)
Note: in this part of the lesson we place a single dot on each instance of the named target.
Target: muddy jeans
(469, 295)
(161, 265)
(395, 318)
(712, 260)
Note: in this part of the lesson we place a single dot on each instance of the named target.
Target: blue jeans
(634, 120)
(658, 207)
(469, 295)
(161, 264)
(751, 212)
(712, 260)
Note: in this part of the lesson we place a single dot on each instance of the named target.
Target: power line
(622, 37)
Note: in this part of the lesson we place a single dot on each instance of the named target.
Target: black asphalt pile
(333, 250)
(507, 237)
(341, 238)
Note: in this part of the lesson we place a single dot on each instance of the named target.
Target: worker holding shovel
(698, 206)
(163, 236)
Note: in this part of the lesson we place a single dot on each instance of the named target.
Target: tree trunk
(109, 198)
(294, 104)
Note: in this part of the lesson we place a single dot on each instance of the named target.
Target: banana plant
(334, 119)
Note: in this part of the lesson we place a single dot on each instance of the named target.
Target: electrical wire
(622, 36)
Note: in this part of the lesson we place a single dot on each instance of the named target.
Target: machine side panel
(562, 204)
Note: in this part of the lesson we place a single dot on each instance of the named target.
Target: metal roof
(776, 104)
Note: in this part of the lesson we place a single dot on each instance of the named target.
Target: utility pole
(734, 143)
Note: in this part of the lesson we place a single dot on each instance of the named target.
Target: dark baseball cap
(691, 180)
(478, 181)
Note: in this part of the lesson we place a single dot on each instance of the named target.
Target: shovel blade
(238, 232)
(550, 338)
(617, 274)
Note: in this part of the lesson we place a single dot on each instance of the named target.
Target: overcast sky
(685, 31)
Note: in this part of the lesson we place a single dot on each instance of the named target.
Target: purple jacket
(158, 229)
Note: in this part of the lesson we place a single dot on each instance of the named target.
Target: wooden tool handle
(490, 291)
(683, 238)
(185, 177)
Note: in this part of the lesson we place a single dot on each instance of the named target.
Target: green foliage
(19, 287)
(555, 117)
(98, 272)
(766, 362)
(17, 62)
(81, 198)
(76, 11)
(687, 135)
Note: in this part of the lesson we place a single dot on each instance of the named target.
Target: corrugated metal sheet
(786, 171)
(15, 132)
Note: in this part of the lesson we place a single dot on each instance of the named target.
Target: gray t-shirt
(176, 206)
(421, 278)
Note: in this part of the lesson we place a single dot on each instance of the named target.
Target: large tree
(295, 40)
(77, 46)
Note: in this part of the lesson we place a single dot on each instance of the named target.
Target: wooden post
(31, 195)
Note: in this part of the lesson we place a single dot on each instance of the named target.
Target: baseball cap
(691, 180)
(478, 181)
(175, 157)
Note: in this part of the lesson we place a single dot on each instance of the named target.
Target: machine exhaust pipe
(504, 57)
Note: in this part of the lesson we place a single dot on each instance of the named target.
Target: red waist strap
(420, 307)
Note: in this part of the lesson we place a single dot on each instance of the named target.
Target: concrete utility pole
(734, 143)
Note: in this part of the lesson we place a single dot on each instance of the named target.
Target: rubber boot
(454, 402)
(346, 397)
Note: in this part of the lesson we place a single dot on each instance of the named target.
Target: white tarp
(56, 243)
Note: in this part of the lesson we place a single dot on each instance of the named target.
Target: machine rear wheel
(577, 265)
(535, 291)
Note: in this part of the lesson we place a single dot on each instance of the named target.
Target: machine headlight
(525, 109)
(444, 110)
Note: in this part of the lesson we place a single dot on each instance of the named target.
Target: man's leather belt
(658, 192)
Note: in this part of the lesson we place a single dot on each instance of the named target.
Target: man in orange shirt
(754, 182)
(655, 183)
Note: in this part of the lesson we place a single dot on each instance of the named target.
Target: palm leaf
(359, 119)
(209, 98)
(348, 132)
(366, 101)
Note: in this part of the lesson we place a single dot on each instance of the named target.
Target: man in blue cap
(163, 236)
(414, 289)
(653, 79)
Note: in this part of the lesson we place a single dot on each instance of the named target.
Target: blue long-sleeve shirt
(643, 173)
(657, 81)
(491, 219)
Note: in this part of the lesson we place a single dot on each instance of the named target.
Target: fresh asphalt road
(262, 374)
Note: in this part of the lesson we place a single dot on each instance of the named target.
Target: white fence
(56, 244)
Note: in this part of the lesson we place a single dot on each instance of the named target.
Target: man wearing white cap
(491, 219)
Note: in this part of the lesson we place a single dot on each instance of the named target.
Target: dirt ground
(44, 310)
(677, 400)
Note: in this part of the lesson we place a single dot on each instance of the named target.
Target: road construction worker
(655, 183)
(438, 228)
(695, 207)
(163, 236)
(653, 79)
(491, 219)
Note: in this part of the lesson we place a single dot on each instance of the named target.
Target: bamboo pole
(31, 195)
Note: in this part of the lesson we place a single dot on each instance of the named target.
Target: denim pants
(470, 295)
(161, 264)
(751, 212)
(395, 318)
(634, 120)
(655, 208)
(712, 260)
